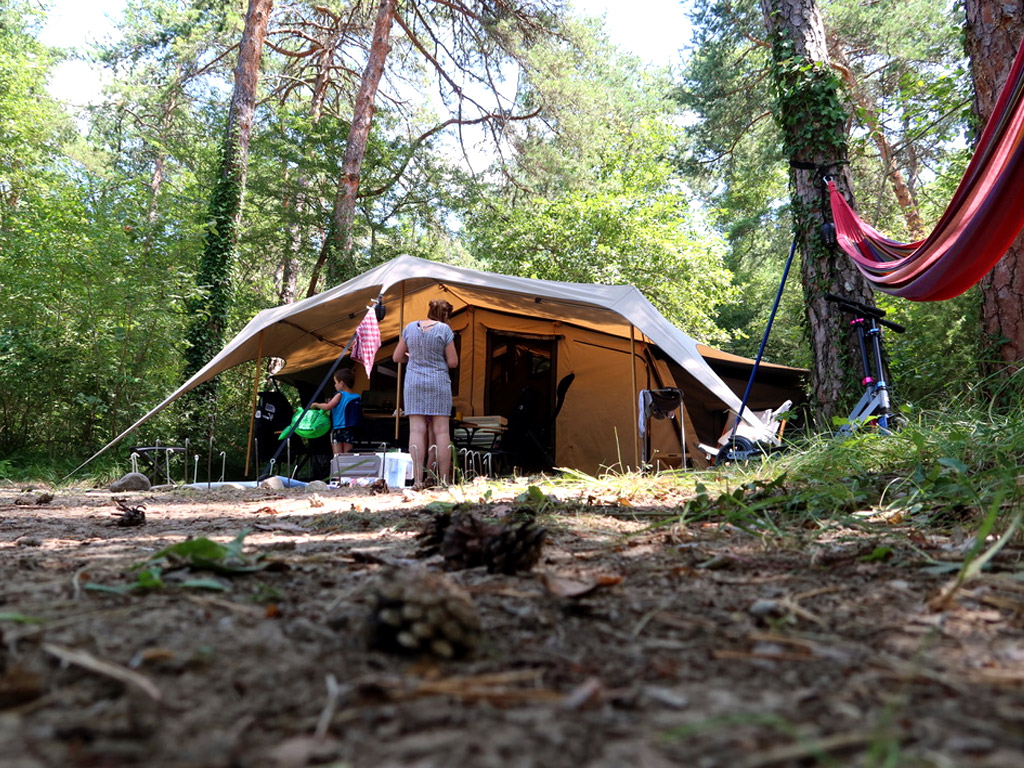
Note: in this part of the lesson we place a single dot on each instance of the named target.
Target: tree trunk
(209, 311)
(337, 254)
(813, 123)
(993, 34)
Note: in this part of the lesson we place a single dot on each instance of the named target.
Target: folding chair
(659, 404)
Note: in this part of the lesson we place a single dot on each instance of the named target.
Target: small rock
(133, 481)
(767, 609)
(273, 483)
(666, 696)
(317, 486)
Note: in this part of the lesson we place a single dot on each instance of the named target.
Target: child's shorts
(343, 435)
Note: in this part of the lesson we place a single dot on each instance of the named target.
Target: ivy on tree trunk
(209, 311)
(813, 122)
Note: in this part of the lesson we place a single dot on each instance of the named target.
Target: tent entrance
(521, 387)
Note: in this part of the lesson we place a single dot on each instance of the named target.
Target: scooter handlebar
(855, 306)
(863, 309)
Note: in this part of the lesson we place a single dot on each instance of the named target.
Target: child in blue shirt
(346, 409)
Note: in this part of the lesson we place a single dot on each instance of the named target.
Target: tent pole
(401, 367)
(764, 342)
(472, 364)
(255, 395)
(635, 394)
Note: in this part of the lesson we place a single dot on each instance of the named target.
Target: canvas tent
(576, 354)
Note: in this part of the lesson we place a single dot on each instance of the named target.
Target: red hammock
(980, 224)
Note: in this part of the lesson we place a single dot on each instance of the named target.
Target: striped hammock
(980, 224)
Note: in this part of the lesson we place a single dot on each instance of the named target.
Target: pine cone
(129, 515)
(465, 542)
(432, 534)
(416, 611)
(514, 548)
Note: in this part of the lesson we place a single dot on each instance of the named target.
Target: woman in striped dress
(427, 347)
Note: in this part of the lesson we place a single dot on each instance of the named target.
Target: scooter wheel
(741, 449)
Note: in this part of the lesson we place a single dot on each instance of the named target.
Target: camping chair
(659, 404)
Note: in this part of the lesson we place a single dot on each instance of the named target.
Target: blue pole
(764, 341)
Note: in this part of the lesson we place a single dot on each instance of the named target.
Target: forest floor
(636, 640)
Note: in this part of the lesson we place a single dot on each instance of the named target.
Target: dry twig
(105, 668)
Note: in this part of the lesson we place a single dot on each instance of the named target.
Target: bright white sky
(652, 29)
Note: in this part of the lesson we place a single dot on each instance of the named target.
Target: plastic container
(397, 469)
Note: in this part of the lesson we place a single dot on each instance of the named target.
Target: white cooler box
(393, 466)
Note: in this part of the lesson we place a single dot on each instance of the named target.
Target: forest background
(520, 142)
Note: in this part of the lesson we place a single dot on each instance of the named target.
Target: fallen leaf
(563, 586)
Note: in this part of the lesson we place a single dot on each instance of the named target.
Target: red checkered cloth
(364, 349)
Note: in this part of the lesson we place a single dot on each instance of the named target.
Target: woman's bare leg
(440, 438)
(418, 446)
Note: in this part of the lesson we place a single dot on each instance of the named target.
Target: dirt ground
(636, 640)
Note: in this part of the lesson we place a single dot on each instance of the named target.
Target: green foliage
(735, 161)
(84, 308)
(151, 579)
(19, 618)
(938, 355)
(534, 499)
(101, 235)
(809, 110)
(205, 554)
(595, 197)
(199, 554)
(945, 466)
